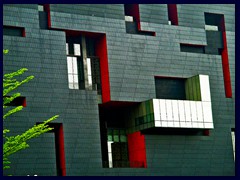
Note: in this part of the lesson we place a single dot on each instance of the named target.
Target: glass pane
(67, 52)
(110, 137)
(70, 78)
(69, 64)
(77, 51)
(75, 78)
(123, 138)
(70, 85)
(116, 138)
(74, 59)
(75, 86)
(89, 67)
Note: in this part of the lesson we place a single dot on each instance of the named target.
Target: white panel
(156, 109)
(157, 123)
(188, 124)
(169, 22)
(169, 110)
(207, 111)
(89, 67)
(208, 125)
(170, 124)
(205, 88)
(176, 124)
(211, 28)
(163, 109)
(164, 124)
(129, 18)
(175, 110)
(194, 124)
(89, 71)
(181, 111)
(77, 49)
(187, 111)
(193, 111)
(183, 124)
(199, 112)
(201, 125)
(67, 52)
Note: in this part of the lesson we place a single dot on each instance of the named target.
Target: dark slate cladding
(134, 61)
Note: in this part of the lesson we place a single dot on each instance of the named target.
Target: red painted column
(47, 9)
(225, 63)
(101, 52)
(60, 153)
(172, 13)
(137, 150)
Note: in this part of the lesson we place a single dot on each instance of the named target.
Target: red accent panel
(137, 150)
(24, 103)
(60, 153)
(206, 132)
(172, 13)
(23, 32)
(47, 9)
(101, 52)
(225, 63)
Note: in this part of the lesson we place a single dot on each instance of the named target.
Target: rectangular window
(14, 31)
(192, 48)
(19, 101)
(170, 88)
(72, 73)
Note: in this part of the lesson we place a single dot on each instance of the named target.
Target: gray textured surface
(134, 60)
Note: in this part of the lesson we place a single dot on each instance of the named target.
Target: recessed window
(19, 101)
(72, 73)
(192, 48)
(43, 17)
(14, 31)
(170, 88)
(132, 20)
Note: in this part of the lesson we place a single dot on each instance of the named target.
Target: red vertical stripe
(101, 52)
(24, 104)
(61, 151)
(137, 150)
(23, 32)
(172, 14)
(225, 63)
(47, 9)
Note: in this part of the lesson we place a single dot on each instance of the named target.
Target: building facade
(141, 89)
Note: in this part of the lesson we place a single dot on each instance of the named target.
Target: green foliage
(13, 144)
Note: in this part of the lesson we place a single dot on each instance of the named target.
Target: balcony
(195, 112)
